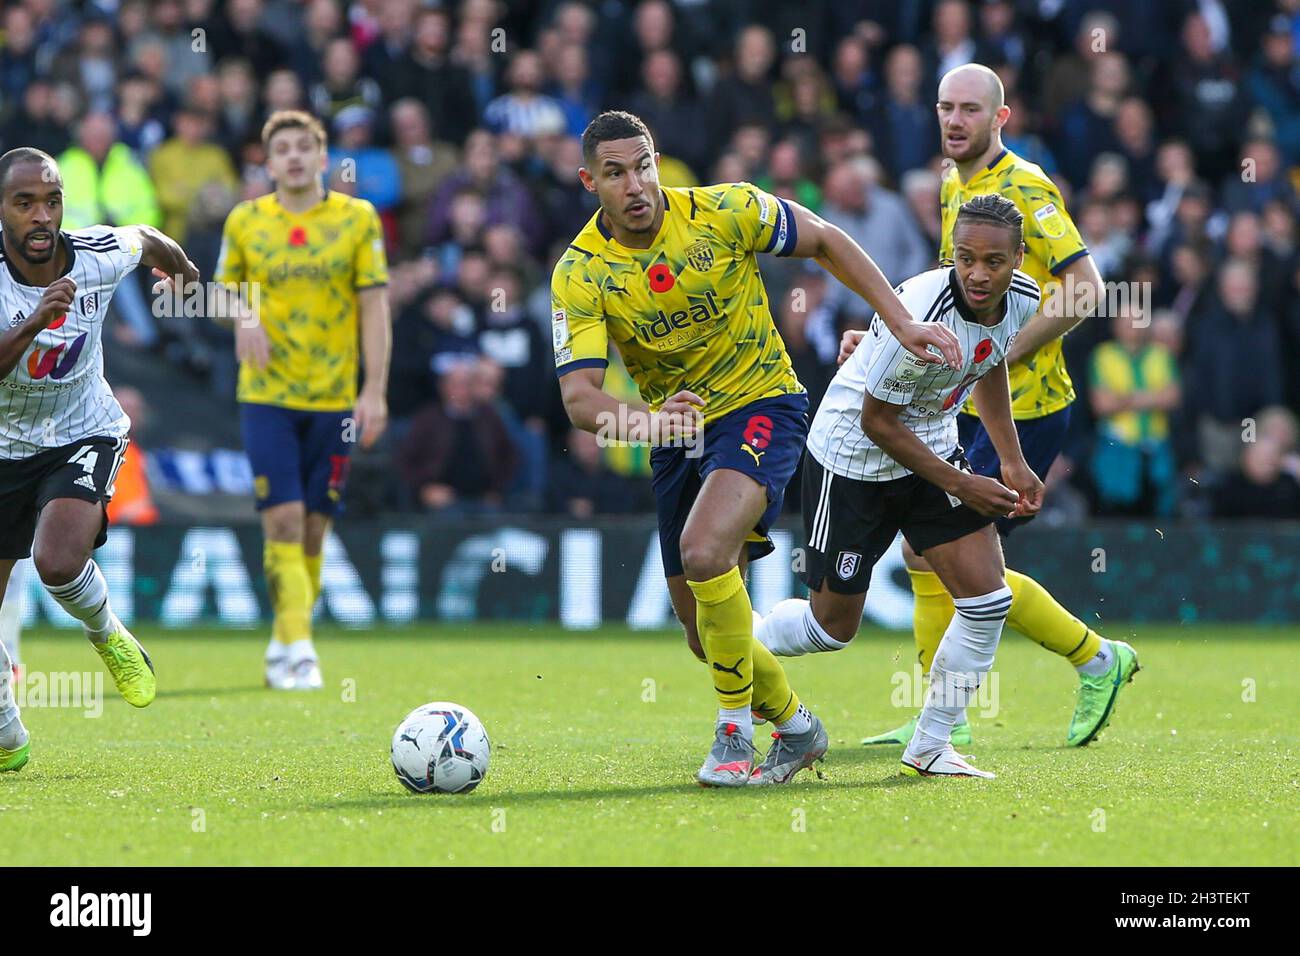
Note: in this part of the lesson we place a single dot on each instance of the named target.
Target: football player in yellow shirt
(972, 112)
(670, 276)
(302, 267)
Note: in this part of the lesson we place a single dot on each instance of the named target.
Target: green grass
(584, 770)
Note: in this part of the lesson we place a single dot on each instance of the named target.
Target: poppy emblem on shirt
(58, 321)
(661, 278)
(298, 236)
(983, 350)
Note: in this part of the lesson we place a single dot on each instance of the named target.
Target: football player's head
(987, 247)
(31, 203)
(972, 111)
(621, 167)
(295, 144)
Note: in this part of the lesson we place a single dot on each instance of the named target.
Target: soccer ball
(440, 748)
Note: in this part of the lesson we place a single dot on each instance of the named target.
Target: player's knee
(283, 523)
(702, 560)
(58, 566)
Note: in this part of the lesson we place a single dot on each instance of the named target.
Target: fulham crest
(847, 565)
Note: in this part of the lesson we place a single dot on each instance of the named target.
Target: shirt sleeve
(369, 262)
(230, 261)
(765, 223)
(578, 336)
(1050, 234)
(128, 252)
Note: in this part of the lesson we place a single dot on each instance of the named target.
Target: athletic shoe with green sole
(901, 736)
(130, 666)
(15, 759)
(1098, 695)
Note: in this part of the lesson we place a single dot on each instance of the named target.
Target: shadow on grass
(804, 786)
(210, 691)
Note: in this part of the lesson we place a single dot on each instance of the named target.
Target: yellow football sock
(314, 562)
(1038, 616)
(931, 613)
(290, 590)
(725, 621)
(773, 697)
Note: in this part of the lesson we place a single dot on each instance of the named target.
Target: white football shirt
(57, 394)
(932, 395)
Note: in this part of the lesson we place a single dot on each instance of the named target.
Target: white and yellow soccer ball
(440, 748)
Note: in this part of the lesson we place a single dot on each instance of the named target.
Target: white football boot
(941, 763)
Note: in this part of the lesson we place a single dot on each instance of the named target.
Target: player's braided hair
(611, 124)
(994, 209)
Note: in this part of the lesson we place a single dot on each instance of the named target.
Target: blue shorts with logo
(297, 455)
(1041, 440)
(763, 439)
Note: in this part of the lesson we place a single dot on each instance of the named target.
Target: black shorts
(84, 470)
(850, 524)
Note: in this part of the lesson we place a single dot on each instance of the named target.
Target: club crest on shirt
(699, 256)
(847, 565)
(90, 304)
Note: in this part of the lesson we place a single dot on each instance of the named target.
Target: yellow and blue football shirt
(690, 312)
(308, 268)
(1040, 384)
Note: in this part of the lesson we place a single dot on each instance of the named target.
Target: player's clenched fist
(987, 496)
(56, 301)
(251, 343)
(680, 416)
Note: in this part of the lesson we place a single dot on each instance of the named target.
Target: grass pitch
(596, 738)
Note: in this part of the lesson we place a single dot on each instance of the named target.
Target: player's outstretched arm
(1081, 282)
(376, 349)
(56, 300)
(843, 258)
(161, 251)
(593, 409)
(992, 397)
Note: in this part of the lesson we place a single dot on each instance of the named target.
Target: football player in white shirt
(62, 433)
(883, 456)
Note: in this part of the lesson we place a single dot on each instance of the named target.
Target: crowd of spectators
(1171, 126)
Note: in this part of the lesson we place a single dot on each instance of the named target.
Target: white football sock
(791, 630)
(799, 723)
(964, 656)
(11, 611)
(10, 729)
(1100, 662)
(86, 598)
(302, 650)
(275, 651)
(742, 717)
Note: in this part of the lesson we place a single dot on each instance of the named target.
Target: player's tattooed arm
(992, 397)
(837, 253)
(592, 409)
(56, 300)
(881, 423)
(1080, 282)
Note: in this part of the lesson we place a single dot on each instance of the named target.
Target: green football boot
(15, 759)
(900, 736)
(130, 666)
(1097, 696)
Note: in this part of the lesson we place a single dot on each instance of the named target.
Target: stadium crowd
(1171, 126)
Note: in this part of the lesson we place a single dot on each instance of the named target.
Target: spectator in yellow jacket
(184, 164)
